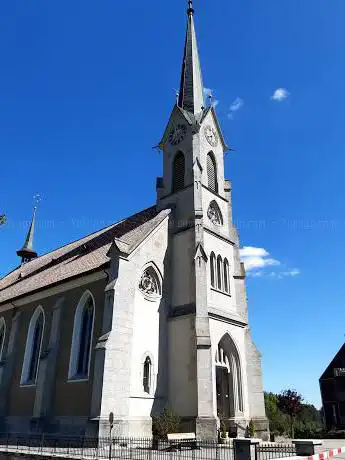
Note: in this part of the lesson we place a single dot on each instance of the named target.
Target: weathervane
(190, 7)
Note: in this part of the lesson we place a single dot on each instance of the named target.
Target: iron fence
(112, 448)
(267, 451)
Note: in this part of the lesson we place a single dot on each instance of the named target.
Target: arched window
(212, 173)
(213, 269)
(2, 337)
(214, 213)
(33, 348)
(219, 273)
(226, 276)
(79, 365)
(178, 172)
(147, 375)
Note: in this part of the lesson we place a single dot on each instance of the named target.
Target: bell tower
(210, 351)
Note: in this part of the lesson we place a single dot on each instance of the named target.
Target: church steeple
(191, 96)
(27, 252)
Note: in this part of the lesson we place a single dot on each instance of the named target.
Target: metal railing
(112, 448)
(267, 451)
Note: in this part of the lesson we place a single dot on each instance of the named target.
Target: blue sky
(86, 89)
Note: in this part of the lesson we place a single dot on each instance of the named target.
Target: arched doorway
(228, 379)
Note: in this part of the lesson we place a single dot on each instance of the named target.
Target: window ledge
(143, 396)
(220, 292)
(77, 379)
(27, 384)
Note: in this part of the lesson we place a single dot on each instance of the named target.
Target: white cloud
(293, 272)
(254, 258)
(209, 92)
(257, 260)
(250, 251)
(280, 275)
(236, 105)
(280, 94)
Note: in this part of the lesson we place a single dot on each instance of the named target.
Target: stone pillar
(206, 423)
(98, 373)
(244, 449)
(306, 447)
(7, 366)
(115, 395)
(45, 384)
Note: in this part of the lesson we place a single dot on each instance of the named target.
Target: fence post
(306, 447)
(245, 449)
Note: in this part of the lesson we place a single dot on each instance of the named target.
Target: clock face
(177, 134)
(211, 136)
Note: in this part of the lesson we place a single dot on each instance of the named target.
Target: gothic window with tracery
(212, 173)
(149, 282)
(214, 213)
(220, 273)
(178, 172)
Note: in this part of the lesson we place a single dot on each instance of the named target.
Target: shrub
(165, 423)
(223, 430)
(251, 429)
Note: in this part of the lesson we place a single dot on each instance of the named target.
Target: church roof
(79, 257)
(337, 362)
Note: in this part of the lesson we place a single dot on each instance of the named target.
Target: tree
(290, 403)
(307, 424)
(278, 421)
(3, 219)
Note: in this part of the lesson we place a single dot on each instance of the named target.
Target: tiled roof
(80, 257)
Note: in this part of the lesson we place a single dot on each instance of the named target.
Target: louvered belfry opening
(212, 173)
(178, 172)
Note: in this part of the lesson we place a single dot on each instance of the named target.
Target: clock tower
(214, 367)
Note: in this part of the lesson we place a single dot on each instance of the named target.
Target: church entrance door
(223, 400)
(228, 379)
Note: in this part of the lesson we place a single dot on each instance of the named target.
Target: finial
(190, 7)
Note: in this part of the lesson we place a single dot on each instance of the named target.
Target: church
(150, 312)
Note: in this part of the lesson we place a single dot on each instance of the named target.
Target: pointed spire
(27, 252)
(191, 96)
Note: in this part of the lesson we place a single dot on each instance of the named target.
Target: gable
(177, 116)
(78, 258)
(338, 362)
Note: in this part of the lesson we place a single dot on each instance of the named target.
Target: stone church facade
(147, 313)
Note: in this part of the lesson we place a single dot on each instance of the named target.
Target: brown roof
(79, 257)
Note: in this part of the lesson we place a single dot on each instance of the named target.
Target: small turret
(27, 252)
